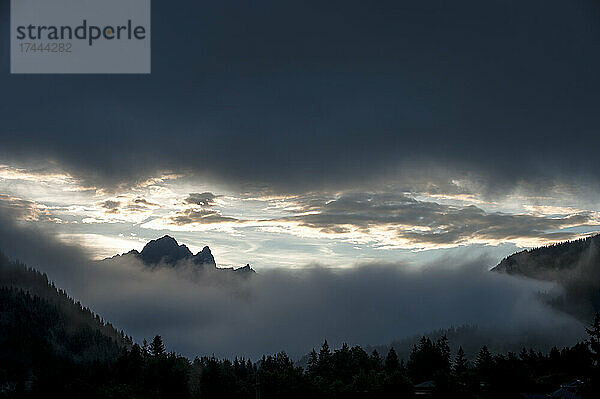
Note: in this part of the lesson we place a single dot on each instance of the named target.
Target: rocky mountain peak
(164, 250)
(167, 251)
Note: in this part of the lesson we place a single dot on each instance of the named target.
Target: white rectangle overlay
(80, 36)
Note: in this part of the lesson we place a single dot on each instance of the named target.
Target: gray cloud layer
(202, 216)
(302, 95)
(424, 222)
(203, 199)
(22, 209)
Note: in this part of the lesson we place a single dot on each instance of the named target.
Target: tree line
(149, 371)
(51, 345)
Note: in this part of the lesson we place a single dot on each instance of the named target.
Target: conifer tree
(312, 365)
(324, 353)
(484, 359)
(444, 351)
(594, 348)
(324, 362)
(376, 360)
(460, 361)
(391, 361)
(157, 348)
(594, 340)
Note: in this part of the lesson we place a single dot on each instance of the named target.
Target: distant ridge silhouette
(574, 265)
(167, 251)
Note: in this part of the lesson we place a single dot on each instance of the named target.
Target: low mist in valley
(294, 310)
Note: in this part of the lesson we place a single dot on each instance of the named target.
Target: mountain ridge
(573, 265)
(65, 329)
(167, 251)
(548, 262)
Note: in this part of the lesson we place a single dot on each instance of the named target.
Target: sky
(285, 134)
(289, 230)
(300, 133)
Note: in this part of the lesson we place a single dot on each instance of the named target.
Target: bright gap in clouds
(292, 229)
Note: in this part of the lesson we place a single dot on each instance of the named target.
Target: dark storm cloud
(137, 205)
(140, 205)
(304, 95)
(202, 216)
(203, 199)
(144, 203)
(444, 224)
(112, 206)
(136, 208)
(290, 310)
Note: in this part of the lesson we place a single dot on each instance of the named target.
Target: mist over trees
(574, 265)
(51, 345)
(372, 303)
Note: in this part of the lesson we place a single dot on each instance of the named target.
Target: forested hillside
(574, 265)
(44, 331)
(551, 262)
(51, 345)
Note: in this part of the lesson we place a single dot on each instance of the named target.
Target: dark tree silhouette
(444, 351)
(376, 360)
(157, 348)
(391, 362)
(594, 339)
(484, 362)
(312, 366)
(594, 346)
(461, 363)
(324, 361)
